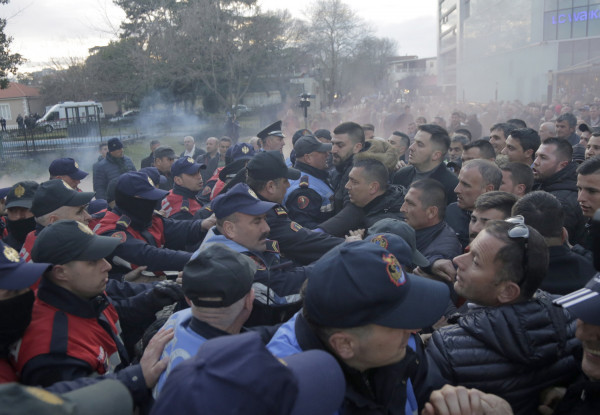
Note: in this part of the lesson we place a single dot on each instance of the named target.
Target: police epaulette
(280, 211)
(272, 246)
(304, 181)
(124, 222)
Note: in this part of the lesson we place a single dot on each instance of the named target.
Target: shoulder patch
(280, 211)
(124, 221)
(304, 181)
(272, 246)
(259, 263)
(302, 202)
(121, 236)
(295, 226)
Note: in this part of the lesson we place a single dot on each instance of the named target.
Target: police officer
(268, 178)
(241, 226)
(272, 138)
(147, 238)
(19, 218)
(218, 287)
(182, 202)
(309, 200)
(75, 330)
(55, 200)
(68, 171)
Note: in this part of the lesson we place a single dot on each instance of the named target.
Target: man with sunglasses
(508, 340)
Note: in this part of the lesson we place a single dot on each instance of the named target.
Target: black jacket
(563, 185)
(339, 178)
(107, 170)
(458, 219)
(513, 351)
(406, 175)
(299, 244)
(385, 206)
(147, 161)
(567, 271)
(438, 242)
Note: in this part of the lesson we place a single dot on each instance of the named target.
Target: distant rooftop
(16, 90)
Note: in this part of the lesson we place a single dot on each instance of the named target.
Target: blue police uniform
(309, 200)
(276, 284)
(295, 336)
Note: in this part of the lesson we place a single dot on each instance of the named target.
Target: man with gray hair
(547, 130)
(217, 285)
(476, 177)
(190, 148)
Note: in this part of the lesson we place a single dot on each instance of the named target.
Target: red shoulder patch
(303, 202)
(295, 226)
(121, 236)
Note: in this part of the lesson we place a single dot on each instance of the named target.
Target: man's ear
(357, 147)
(431, 212)
(521, 189)
(178, 181)
(228, 229)
(509, 292)
(436, 155)
(59, 273)
(342, 344)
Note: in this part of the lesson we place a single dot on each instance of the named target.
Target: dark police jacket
(458, 219)
(158, 246)
(107, 170)
(276, 284)
(309, 200)
(297, 243)
(514, 351)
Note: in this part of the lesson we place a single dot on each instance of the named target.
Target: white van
(70, 112)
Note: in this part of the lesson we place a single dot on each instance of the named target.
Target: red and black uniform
(69, 337)
(160, 245)
(181, 203)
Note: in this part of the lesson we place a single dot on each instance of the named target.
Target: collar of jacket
(70, 303)
(184, 191)
(318, 173)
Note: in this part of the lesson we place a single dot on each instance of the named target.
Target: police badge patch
(394, 269)
(303, 202)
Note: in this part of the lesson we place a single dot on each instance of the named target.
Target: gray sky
(46, 30)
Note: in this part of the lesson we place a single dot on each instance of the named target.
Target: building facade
(530, 50)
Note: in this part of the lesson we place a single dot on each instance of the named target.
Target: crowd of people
(436, 271)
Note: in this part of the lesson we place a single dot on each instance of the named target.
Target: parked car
(130, 115)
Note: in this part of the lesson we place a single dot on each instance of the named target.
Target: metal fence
(17, 143)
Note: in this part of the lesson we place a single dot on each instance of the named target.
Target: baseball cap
(21, 194)
(309, 143)
(240, 198)
(96, 206)
(584, 303)
(402, 229)
(186, 165)
(299, 134)
(138, 184)
(322, 133)
(114, 144)
(218, 272)
(270, 165)
(69, 240)
(66, 167)
(4, 191)
(237, 157)
(273, 129)
(371, 287)
(55, 193)
(16, 274)
(105, 397)
(164, 151)
(237, 374)
(154, 175)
